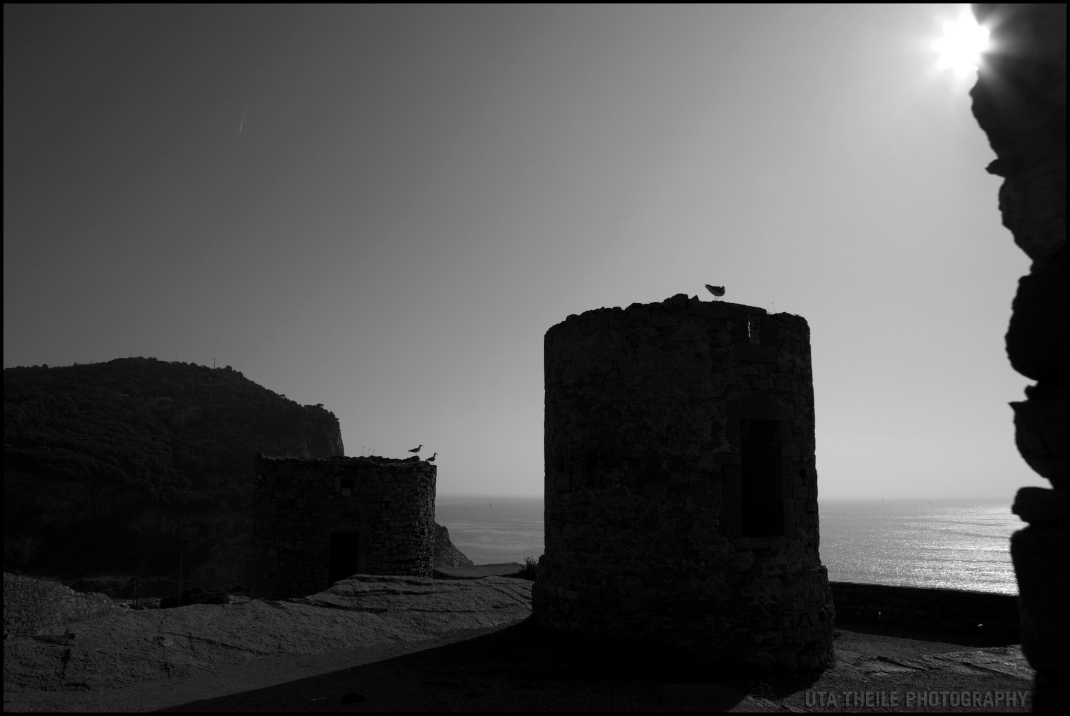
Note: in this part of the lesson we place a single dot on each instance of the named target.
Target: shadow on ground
(524, 668)
(957, 637)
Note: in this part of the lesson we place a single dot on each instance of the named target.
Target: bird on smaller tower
(416, 450)
(432, 458)
(715, 290)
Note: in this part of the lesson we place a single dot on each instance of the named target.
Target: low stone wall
(33, 604)
(931, 607)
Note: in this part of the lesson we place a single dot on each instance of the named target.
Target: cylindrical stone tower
(681, 490)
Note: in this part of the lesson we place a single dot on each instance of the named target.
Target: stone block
(1040, 505)
(1036, 338)
(1040, 434)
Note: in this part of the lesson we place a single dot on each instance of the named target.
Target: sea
(958, 544)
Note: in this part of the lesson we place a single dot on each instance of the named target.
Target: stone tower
(681, 490)
(316, 521)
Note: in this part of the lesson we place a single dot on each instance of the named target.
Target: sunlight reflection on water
(942, 543)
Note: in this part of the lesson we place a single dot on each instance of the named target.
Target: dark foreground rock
(1020, 103)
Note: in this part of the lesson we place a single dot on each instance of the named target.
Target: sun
(961, 45)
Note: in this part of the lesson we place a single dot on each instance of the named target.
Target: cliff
(120, 467)
(446, 555)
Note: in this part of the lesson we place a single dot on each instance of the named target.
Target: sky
(384, 208)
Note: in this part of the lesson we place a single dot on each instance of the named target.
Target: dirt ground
(517, 667)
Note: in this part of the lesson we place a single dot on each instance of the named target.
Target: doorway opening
(345, 546)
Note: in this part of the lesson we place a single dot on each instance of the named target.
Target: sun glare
(961, 45)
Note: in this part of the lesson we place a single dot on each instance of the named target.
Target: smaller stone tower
(316, 521)
(681, 487)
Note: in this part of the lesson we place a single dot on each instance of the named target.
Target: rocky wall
(646, 487)
(1019, 101)
(957, 609)
(31, 605)
(386, 507)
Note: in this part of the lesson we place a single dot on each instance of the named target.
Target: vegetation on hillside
(138, 448)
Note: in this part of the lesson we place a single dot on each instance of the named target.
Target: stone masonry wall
(298, 503)
(643, 483)
(1020, 103)
(928, 607)
(31, 604)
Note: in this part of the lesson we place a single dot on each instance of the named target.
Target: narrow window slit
(762, 498)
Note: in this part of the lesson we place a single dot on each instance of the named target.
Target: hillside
(118, 467)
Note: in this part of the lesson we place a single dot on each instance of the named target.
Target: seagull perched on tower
(432, 458)
(416, 450)
(715, 290)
